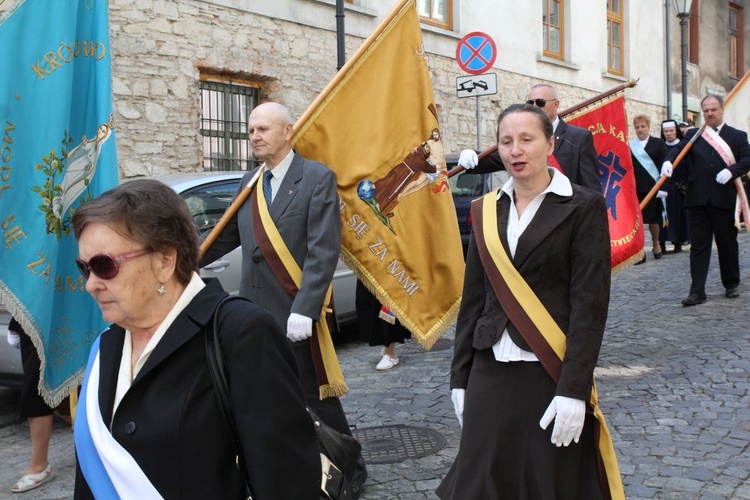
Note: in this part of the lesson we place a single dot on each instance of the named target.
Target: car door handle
(217, 265)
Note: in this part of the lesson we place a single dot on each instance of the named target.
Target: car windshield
(208, 204)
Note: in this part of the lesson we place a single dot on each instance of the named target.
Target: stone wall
(160, 48)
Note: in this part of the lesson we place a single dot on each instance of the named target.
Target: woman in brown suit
(556, 237)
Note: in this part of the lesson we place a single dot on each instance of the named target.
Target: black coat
(170, 422)
(705, 163)
(564, 256)
(657, 151)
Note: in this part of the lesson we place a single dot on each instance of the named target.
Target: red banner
(609, 124)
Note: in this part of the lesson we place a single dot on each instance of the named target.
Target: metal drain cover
(415, 348)
(391, 444)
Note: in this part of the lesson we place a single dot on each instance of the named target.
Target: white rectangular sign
(472, 86)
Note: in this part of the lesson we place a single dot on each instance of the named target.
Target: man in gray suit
(304, 206)
(574, 146)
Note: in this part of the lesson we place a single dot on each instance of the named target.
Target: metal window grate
(224, 111)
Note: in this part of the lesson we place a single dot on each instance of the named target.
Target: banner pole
(245, 193)
(562, 114)
(689, 145)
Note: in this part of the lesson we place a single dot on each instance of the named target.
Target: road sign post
(475, 54)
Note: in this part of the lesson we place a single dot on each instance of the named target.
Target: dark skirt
(372, 328)
(503, 453)
(676, 227)
(32, 404)
(652, 212)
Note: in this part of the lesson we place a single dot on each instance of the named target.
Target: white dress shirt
(505, 349)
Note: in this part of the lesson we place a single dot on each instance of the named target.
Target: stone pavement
(673, 383)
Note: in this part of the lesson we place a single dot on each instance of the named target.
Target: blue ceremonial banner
(57, 150)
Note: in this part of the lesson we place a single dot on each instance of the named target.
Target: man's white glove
(666, 168)
(661, 194)
(569, 415)
(457, 396)
(468, 159)
(724, 176)
(298, 327)
(14, 340)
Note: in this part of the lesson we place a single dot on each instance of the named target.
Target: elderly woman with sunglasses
(148, 424)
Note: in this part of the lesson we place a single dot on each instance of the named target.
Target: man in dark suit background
(304, 207)
(574, 146)
(710, 199)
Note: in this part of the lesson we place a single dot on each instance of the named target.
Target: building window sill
(350, 6)
(557, 62)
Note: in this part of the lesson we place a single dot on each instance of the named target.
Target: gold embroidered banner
(376, 126)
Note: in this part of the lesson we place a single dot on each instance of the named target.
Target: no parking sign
(476, 53)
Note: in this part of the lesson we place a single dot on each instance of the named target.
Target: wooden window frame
(447, 24)
(616, 18)
(546, 25)
(736, 62)
(693, 30)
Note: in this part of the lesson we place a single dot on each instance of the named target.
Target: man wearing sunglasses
(574, 146)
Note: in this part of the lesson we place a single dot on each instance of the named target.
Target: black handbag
(339, 452)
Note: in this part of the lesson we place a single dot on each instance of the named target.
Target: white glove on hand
(724, 176)
(468, 159)
(569, 415)
(457, 396)
(666, 168)
(14, 340)
(661, 194)
(298, 327)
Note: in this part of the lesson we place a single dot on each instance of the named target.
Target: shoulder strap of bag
(215, 362)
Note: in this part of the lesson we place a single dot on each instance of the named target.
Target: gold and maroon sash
(725, 152)
(537, 327)
(327, 370)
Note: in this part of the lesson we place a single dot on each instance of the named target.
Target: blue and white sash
(110, 471)
(645, 160)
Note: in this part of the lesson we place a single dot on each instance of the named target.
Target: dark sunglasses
(105, 265)
(539, 102)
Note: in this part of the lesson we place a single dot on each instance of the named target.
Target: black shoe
(657, 256)
(677, 248)
(732, 292)
(640, 261)
(694, 299)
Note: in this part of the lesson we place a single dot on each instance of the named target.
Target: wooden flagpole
(245, 193)
(563, 113)
(689, 145)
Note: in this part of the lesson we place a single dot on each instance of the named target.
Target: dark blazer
(564, 256)
(574, 151)
(307, 214)
(169, 420)
(657, 150)
(705, 163)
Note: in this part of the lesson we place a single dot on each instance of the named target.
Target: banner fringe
(52, 398)
(425, 339)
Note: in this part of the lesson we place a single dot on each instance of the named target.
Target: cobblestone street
(673, 384)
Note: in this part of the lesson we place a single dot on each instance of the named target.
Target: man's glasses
(539, 102)
(105, 265)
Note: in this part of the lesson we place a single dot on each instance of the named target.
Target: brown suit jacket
(564, 256)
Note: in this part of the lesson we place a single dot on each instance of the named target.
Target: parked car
(208, 194)
(466, 186)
